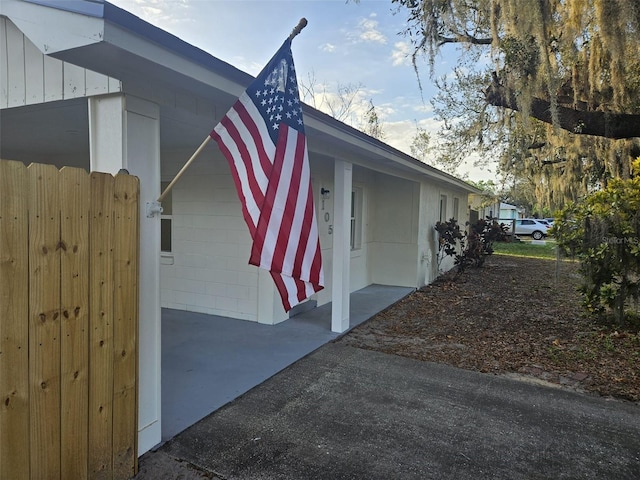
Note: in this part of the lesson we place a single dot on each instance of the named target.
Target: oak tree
(549, 88)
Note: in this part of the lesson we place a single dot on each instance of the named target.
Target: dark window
(165, 219)
(443, 208)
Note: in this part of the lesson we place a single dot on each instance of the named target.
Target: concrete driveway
(348, 413)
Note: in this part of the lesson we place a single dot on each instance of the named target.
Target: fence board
(69, 250)
(101, 326)
(74, 305)
(125, 408)
(14, 327)
(44, 321)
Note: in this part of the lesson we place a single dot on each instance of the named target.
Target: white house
(87, 84)
(509, 212)
(483, 205)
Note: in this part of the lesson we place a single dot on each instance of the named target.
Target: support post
(341, 246)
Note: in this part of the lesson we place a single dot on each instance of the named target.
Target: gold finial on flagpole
(301, 24)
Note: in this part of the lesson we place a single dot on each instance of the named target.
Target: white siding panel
(15, 70)
(29, 77)
(53, 77)
(114, 85)
(4, 63)
(96, 84)
(34, 74)
(74, 82)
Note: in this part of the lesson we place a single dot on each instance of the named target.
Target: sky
(344, 44)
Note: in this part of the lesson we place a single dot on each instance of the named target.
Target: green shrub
(474, 246)
(603, 232)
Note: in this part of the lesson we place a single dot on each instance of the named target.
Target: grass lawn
(525, 248)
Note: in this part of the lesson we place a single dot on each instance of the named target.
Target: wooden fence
(69, 247)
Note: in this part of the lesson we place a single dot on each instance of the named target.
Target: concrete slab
(208, 360)
(344, 412)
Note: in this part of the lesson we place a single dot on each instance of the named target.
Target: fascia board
(371, 154)
(167, 59)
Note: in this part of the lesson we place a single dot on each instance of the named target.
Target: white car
(532, 226)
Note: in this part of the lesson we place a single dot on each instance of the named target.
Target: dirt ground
(515, 316)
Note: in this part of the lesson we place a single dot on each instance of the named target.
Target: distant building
(483, 205)
(510, 212)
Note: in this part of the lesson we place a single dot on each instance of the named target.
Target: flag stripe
(238, 182)
(294, 213)
(303, 246)
(249, 189)
(258, 132)
(286, 198)
(299, 251)
(263, 231)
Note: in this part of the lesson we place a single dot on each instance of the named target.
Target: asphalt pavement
(347, 413)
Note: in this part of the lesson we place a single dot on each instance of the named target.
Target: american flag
(262, 137)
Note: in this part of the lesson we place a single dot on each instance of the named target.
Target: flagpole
(298, 28)
(184, 168)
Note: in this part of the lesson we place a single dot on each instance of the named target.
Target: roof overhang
(99, 36)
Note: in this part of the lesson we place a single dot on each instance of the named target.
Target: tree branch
(601, 124)
(464, 38)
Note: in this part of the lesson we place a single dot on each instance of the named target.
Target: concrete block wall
(430, 195)
(393, 253)
(207, 270)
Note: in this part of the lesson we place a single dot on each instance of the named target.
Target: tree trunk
(620, 302)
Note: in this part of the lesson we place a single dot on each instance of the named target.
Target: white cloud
(330, 102)
(328, 47)
(241, 63)
(162, 13)
(422, 108)
(401, 54)
(474, 172)
(400, 135)
(409, 105)
(368, 31)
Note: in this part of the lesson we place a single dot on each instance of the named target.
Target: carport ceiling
(62, 128)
